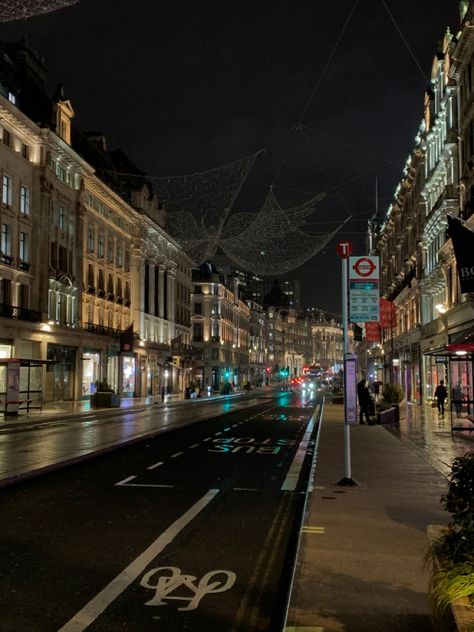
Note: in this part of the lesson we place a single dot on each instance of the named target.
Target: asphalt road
(193, 529)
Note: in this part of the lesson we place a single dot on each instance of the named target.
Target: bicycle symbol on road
(163, 583)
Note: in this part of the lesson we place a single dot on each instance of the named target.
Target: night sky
(186, 85)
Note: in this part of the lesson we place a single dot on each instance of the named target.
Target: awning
(462, 342)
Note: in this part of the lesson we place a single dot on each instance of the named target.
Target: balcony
(215, 339)
(102, 329)
(19, 313)
(23, 265)
(6, 259)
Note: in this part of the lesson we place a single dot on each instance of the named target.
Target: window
(7, 190)
(23, 292)
(119, 256)
(198, 308)
(197, 332)
(24, 200)
(90, 276)
(100, 249)
(61, 217)
(6, 138)
(110, 250)
(25, 152)
(90, 239)
(23, 250)
(5, 245)
(6, 292)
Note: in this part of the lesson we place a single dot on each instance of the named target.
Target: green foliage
(451, 583)
(392, 393)
(458, 542)
(103, 387)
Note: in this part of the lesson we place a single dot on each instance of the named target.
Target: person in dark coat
(363, 395)
(440, 393)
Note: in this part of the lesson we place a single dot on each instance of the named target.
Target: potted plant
(104, 397)
(388, 411)
(451, 551)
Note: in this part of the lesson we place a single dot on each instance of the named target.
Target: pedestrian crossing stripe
(309, 529)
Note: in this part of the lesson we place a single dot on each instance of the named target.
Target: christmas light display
(22, 9)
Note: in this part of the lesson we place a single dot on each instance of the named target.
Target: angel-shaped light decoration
(22, 9)
(198, 212)
(267, 242)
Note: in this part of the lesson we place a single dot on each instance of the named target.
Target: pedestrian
(440, 393)
(363, 395)
(457, 398)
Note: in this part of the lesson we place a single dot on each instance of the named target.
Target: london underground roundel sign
(364, 268)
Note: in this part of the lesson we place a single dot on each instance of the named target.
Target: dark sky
(186, 85)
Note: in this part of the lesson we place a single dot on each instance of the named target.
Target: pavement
(360, 562)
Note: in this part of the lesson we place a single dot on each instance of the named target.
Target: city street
(190, 529)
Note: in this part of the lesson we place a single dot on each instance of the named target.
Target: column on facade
(151, 287)
(137, 288)
(171, 296)
(161, 291)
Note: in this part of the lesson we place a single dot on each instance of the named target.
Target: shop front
(60, 372)
(90, 372)
(128, 375)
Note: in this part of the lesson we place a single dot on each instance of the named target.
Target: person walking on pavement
(440, 393)
(363, 395)
(457, 398)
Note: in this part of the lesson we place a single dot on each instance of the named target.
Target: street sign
(364, 289)
(363, 269)
(344, 249)
(364, 301)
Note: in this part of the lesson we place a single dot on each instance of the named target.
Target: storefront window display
(128, 376)
(112, 372)
(61, 386)
(435, 371)
(461, 382)
(90, 372)
(5, 350)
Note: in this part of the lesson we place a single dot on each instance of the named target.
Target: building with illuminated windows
(220, 329)
(81, 262)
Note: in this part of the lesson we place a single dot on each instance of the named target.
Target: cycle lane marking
(96, 606)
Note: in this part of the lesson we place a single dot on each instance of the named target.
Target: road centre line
(155, 465)
(217, 433)
(208, 439)
(107, 595)
(173, 456)
(125, 480)
(195, 445)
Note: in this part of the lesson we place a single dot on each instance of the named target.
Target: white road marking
(155, 465)
(217, 433)
(105, 597)
(291, 479)
(125, 480)
(208, 439)
(195, 445)
(173, 456)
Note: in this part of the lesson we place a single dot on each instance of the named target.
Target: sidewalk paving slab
(360, 565)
